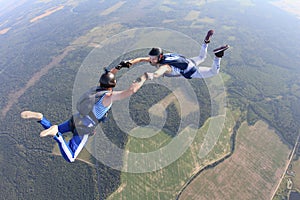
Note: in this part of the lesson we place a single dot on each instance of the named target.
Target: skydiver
(175, 65)
(83, 126)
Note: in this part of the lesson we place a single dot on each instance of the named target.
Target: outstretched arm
(114, 70)
(135, 86)
(138, 60)
(164, 69)
(129, 63)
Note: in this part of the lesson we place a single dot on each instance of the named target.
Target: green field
(167, 182)
(44, 45)
(283, 191)
(252, 172)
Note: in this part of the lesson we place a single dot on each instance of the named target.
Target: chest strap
(189, 73)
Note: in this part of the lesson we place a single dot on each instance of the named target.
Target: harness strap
(78, 125)
(94, 118)
(189, 73)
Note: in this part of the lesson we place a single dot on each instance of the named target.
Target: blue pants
(69, 150)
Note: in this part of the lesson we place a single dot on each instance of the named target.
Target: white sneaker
(50, 131)
(31, 115)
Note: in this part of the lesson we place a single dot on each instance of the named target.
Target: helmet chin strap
(106, 70)
(160, 57)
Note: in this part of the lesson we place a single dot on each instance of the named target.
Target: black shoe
(208, 36)
(219, 52)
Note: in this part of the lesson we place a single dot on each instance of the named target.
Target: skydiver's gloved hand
(122, 64)
(149, 76)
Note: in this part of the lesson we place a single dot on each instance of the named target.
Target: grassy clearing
(47, 13)
(165, 183)
(296, 179)
(250, 173)
(113, 8)
(290, 182)
(159, 108)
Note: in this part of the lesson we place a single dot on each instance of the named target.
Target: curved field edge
(167, 182)
(252, 172)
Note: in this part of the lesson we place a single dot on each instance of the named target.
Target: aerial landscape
(232, 136)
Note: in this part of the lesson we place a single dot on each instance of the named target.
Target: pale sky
(292, 6)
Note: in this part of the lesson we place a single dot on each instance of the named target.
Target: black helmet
(107, 80)
(156, 51)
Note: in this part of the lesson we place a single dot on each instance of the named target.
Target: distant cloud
(290, 6)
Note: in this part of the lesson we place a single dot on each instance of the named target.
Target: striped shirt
(99, 109)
